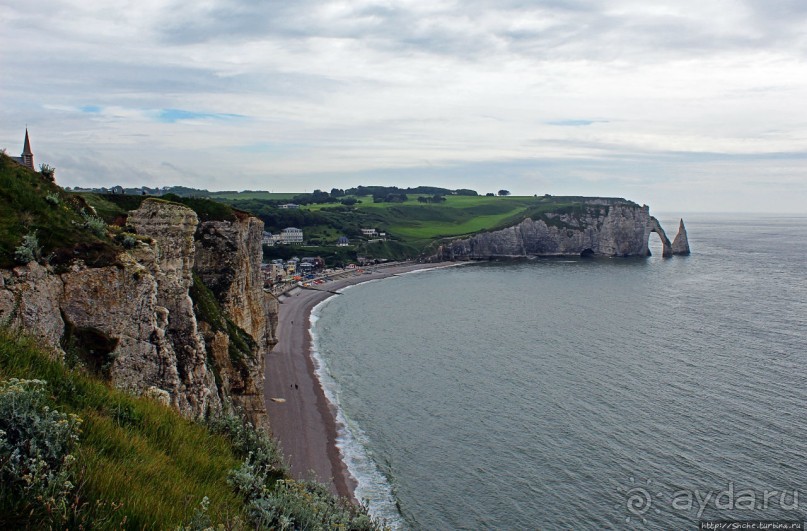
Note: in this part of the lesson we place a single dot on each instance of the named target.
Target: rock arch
(655, 226)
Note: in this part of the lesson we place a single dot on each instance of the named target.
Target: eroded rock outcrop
(597, 227)
(227, 261)
(666, 246)
(136, 323)
(29, 299)
(172, 228)
(680, 244)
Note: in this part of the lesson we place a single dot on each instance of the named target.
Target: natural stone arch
(655, 226)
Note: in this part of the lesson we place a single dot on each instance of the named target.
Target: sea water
(581, 393)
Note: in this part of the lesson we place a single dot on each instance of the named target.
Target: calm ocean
(581, 394)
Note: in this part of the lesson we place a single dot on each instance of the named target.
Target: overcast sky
(686, 105)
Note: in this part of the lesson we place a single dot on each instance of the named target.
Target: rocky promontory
(181, 316)
(595, 227)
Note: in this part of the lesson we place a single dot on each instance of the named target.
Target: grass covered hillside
(412, 224)
(41, 221)
(414, 220)
(75, 453)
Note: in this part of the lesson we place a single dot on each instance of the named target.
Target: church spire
(27, 157)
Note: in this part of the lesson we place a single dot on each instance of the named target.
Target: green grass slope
(114, 208)
(133, 453)
(32, 204)
(412, 225)
(137, 464)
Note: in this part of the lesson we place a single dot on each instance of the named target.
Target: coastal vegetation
(39, 220)
(76, 453)
(414, 220)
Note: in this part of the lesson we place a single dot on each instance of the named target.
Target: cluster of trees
(392, 197)
(433, 199)
(317, 197)
(383, 191)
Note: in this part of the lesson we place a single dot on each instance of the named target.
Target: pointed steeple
(27, 157)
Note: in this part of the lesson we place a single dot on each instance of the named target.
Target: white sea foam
(373, 487)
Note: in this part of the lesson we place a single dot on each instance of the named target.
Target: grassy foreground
(137, 464)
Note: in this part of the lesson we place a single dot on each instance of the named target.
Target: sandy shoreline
(304, 421)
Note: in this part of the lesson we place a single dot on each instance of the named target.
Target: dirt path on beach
(302, 420)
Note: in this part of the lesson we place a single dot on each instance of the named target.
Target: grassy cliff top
(414, 224)
(33, 204)
(114, 208)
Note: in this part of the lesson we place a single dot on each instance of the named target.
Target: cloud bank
(684, 105)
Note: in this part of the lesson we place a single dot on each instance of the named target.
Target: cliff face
(597, 228)
(135, 322)
(594, 230)
(227, 260)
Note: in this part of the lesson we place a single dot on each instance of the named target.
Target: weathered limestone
(172, 228)
(228, 259)
(135, 320)
(610, 229)
(116, 309)
(666, 246)
(29, 299)
(680, 244)
(601, 227)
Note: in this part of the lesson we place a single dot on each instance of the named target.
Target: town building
(342, 241)
(289, 206)
(292, 235)
(369, 232)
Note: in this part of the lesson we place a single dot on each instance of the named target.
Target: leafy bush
(129, 241)
(52, 199)
(290, 504)
(274, 501)
(94, 224)
(48, 171)
(29, 250)
(249, 442)
(36, 441)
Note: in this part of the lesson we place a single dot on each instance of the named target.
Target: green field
(418, 224)
(413, 226)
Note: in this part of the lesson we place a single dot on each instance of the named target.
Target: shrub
(47, 171)
(248, 442)
(94, 224)
(293, 504)
(52, 199)
(129, 241)
(36, 464)
(274, 501)
(29, 250)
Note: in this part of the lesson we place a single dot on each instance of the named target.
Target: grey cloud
(581, 30)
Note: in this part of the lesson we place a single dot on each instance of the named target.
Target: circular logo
(638, 501)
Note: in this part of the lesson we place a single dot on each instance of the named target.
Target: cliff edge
(595, 227)
(150, 323)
